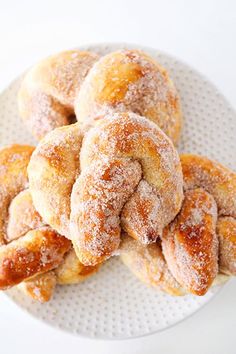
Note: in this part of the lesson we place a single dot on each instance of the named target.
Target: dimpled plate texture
(113, 304)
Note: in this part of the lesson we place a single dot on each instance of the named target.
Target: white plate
(113, 304)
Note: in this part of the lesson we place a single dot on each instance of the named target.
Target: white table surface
(202, 33)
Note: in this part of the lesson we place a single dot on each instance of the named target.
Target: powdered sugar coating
(17, 217)
(13, 179)
(226, 230)
(96, 206)
(97, 199)
(190, 243)
(130, 80)
(125, 136)
(220, 182)
(52, 172)
(187, 243)
(47, 93)
(142, 216)
(210, 129)
(55, 167)
(36, 252)
(24, 218)
(72, 271)
(215, 178)
(40, 287)
(148, 264)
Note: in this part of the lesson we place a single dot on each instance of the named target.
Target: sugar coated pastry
(72, 271)
(190, 243)
(39, 249)
(14, 160)
(196, 249)
(113, 157)
(52, 170)
(40, 287)
(31, 250)
(148, 264)
(130, 80)
(202, 238)
(47, 93)
(226, 230)
(22, 218)
(36, 252)
(125, 160)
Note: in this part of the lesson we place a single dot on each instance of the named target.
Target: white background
(202, 33)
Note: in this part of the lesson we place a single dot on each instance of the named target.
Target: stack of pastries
(106, 179)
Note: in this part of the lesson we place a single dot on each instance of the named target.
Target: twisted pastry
(22, 218)
(33, 248)
(47, 93)
(36, 251)
(148, 264)
(130, 81)
(52, 171)
(124, 160)
(201, 241)
(206, 223)
(113, 157)
(190, 243)
(13, 179)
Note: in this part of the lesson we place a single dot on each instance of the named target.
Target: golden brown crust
(22, 261)
(37, 252)
(190, 243)
(130, 81)
(226, 230)
(72, 271)
(40, 287)
(47, 93)
(110, 157)
(13, 179)
(52, 171)
(22, 218)
(113, 155)
(101, 193)
(216, 179)
(148, 264)
(220, 182)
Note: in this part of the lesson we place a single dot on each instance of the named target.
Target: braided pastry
(148, 264)
(52, 170)
(124, 160)
(36, 248)
(47, 93)
(201, 241)
(130, 80)
(13, 179)
(22, 218)
(36, 252)
(206, 223)
(190, 243)
(70, 271)
(113, 157)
